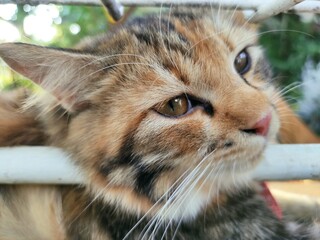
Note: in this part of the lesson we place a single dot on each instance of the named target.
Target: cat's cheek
(170, 136)
(234, 152)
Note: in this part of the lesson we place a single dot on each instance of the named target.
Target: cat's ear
(63, 73)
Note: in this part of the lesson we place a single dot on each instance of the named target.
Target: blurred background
(292, 44)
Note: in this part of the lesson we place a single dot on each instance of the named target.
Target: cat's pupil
(173, 102)
(174, 107)
(242, 62)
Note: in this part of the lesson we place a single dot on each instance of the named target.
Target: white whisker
(159, 218)
(99, 59)
(156, 203)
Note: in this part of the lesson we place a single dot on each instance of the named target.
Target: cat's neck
(183, 203)
(222, 212)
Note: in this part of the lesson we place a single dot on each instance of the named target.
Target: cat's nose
(261, 127)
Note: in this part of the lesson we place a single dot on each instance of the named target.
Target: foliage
(289, 42)
(89, 20)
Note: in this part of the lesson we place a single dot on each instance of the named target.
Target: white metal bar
(248, 4)
(44, 165)
(261, 9)
(306, 6)
(290, 162)
(47, 165)
(272, 7)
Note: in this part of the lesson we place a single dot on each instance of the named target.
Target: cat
(166, 117)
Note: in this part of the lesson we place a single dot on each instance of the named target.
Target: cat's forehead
(178, 29)
(190, 29)
(168, 53)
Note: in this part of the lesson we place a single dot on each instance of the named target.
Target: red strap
(272, 203)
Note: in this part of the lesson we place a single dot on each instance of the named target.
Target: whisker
(201, 186)
(290, 87)
(97, 195)
(274, 31)
(158, 201)
(120, 64)
(185, 193)
(157, 218)
(112, 56)
(162, 35)
(164, 210)
(230, 22)
(168, 28)
(216, 178)
(279, 96)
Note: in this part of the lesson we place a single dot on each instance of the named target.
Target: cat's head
(169, 110)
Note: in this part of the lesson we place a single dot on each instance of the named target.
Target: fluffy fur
(148, 176)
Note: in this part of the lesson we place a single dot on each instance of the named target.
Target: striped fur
(148, 176)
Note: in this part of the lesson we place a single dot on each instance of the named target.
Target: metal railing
(261, 9)
(49, 165)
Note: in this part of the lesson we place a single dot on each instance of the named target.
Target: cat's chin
(207, 192)
(230, 175)
(221, 174)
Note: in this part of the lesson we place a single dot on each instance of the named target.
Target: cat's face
(169, 111)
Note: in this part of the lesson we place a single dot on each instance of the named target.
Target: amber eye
(175, 107)
(242, 62)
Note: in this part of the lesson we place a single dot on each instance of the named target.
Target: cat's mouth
(241, 151)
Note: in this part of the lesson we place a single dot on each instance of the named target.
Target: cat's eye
(182, 105)
(242, 63)
(175, 107)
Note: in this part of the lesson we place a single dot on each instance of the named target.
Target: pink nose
(261, 127)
